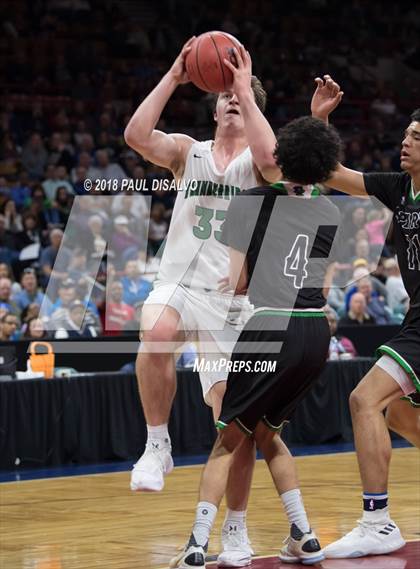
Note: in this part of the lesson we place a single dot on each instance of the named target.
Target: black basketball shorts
(272, 395)
(404, 348)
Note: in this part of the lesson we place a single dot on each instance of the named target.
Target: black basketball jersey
(395, 191)
(287, 240)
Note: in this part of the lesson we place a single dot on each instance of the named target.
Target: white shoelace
(236, 538)
(156, 452)
(363, 528)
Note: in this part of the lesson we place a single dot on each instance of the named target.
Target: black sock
(373, 502)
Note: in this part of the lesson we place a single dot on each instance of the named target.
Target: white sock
(234, 519)
(159, 436)
(204, 520)
(376, 516)
(295, 510)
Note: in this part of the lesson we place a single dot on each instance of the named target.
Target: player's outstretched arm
(347, 181)
(167, 150)
(259, 134)
(326, 98)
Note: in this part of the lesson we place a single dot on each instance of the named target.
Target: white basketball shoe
(237, 550)
(367, 538)
(193, 556)
(149, 471)
(301, 547)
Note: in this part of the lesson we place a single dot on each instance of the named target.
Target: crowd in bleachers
(72, 74)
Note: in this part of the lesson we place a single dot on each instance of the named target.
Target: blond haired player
(186, 302)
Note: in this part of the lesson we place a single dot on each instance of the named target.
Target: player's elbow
(234, 282)
(130, 136)
(239, 286)
(135, 137)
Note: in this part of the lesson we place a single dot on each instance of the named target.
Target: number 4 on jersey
(296, 261)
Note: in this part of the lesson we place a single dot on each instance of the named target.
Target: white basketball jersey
(194, 255)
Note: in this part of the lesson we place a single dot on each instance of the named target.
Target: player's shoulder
(187, 147)
(392, 178)
(198, 149)
(202, 145)
(183, 138)
(263, 194)
(403, 179)
(258, 191)
(388, 187)
(243, 202)
(184, 143)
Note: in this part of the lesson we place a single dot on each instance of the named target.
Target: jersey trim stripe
(275, 428)
(298, 313)
(242, 427)
(401, 361)
(414, 197)
(412, 402)
(312, 191)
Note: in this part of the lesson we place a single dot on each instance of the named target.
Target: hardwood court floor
(93, 521)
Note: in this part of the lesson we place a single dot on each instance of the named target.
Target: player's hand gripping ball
(204, 62)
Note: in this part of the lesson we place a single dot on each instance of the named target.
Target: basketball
(204, 63)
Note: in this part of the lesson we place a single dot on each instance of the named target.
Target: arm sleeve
(387, 187)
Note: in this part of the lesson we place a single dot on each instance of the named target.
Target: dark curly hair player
(274, 233)
(396, 374)
(307, 150)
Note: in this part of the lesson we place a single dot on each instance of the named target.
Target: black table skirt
(98, 417)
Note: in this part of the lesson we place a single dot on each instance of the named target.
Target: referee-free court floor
(93, 520)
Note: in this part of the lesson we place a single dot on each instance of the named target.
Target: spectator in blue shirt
(9, 328)
(30, 293)
(6, 301)
(20, 191)
(66, 295)
(8, 253)
(75, 325)
(375, 304)
(135, 287)
(54, 272)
